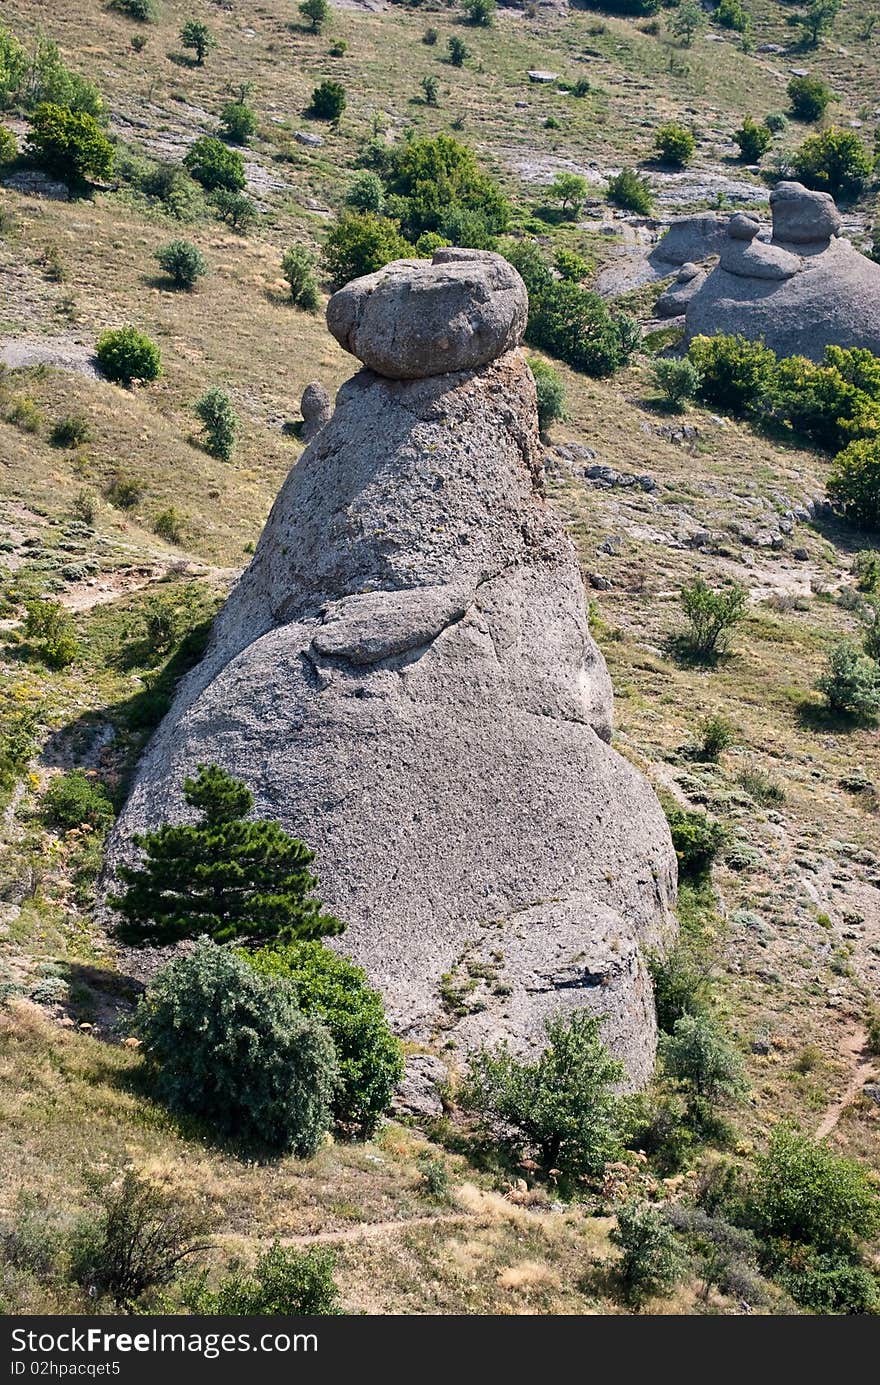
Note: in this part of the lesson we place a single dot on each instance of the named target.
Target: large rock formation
(405, 678)
(802, 290)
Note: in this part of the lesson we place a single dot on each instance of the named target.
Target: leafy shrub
(172, 186)
(198, 37)
(678, 378)
(806, 1193)
(698, 1055)
(367, 193)
(697, 839)
(23, 413)
(854, 482)
(73, 800)
(457, 51)
(753, 139)
(41, 76)
(125, 355)
(572, 323)
(570, 266)
(681, 986)
(283, 1283)
(651, 1261)
(816, 21)
(124, 491)
(328, 101)
(337, 993)
(168, 524)
(173, 616)
(183, 262)
(69, 144)
(144, 11)
(809, 97)
(550, 391)
(732, 14)
(687, 20)
(214, 165)
(231, 1047)
(52, 629)
(317, 12)
(70, 431)
(736, 373)
(569, 190)
(761, 787)
(360, 243)
(834, 161)
(430, 37)
(236, 208)
(562, 1105)
(8, 146)
(675, 144)
(338, 48)
(715, 734)
(631, 192)
(238, 122)
(776, 122)
(443, 189)
(832, 402)
(851, 683)
(435, 1177)
(298, 268)
(17, 745)
(711, 616)
(226, 876)
(479, 12)
(219, 423)
(138, 1240)
(829, 1283)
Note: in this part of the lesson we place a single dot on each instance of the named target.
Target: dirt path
(373, 1230)
(855, 1049)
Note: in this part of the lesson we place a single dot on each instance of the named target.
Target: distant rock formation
(316, 408)
(801, 290)
(405, 678)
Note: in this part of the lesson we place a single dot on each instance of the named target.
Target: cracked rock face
(405, 678)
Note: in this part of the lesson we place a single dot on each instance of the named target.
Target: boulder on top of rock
(743, 227)
(757, 260)
(315, 408)
(405, 679)
(674, 301)
(414, 319)
(691, 238)
(801, 216)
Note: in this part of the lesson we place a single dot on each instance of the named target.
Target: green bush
(214, 165)
(732, 14)
(678, 378)
(776, 122)
(805, 1193)
(74, 800)
(69, 144)
(144, 11)
(367, 193)
(631, 192)
(219, 423)
(125, 355)
(736, 373)
(198, 37)
(53, 632)
(698, 1055)
(231, 1047)
(830, 403)
(32, 79)
(443, 189)
(697, 839)
(711, 616)
(236, 208)
(851, 683)
(651, 1261)
(360, 243)
(829, 1283)
(570, 266)
(317, 12)
(225, 876)
(298, 268)
(854, 482)
(328, 101)
(681, 986)
(810, 97)
(172, 186)
(337, 993)
(71, 430)
(816, 21)
(457, 51)
(8, 146)
(124, 491)
(479, 12)
(183, 262)
(284, 1283)
(834, 161)
(562, 1105)
(577, 327)
(138, 1240)
(675, 144)
(168, 524)
(569, 190)
(753, 139)
(550, 391)
(238, 122)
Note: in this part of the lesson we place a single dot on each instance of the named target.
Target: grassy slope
(787, 974)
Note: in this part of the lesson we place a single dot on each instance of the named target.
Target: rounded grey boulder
(801, 217)
(415, 319)
(316, 410)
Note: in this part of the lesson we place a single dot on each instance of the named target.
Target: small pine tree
(458, 51)
(183, 262)
(219, 423)
(224, 876)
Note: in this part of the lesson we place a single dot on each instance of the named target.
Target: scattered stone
(307, 137)
(600, 582)
(540, 75)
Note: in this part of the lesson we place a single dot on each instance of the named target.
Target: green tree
(219, 423)
(806, 1193)
(711, 615)
(675, 144)
(688, 20)
(631, 192)
(336, 992)
(570, 266)
(851, 682)
(298, 268)
(232, 1047)
(328, 101)
(562, 1105)
(439, 179)
(360, 243)
(236, 208)
(550, 392)
(569, 190)
(238, 122)
(753, 139)
(367, 193)
(317, 12)
(198, 37)
(699, 1055)
(125, 355)
(142, 11)
(69, 144)
(732, 14)
(809, 97)
(74, 800)
(226, 876)
(651, 1260)
(183, 262)
(854, 483)
(479, 12)
(816, 21)
(457, 51)
(735, 373)
(697, 839)
(214, 166)
(678, 378)
(834, 161)
(430, 90)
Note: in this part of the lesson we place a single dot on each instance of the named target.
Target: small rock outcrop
(674, 301)
(405, 678)
(801, 288)
(316, 410)
(690, 239)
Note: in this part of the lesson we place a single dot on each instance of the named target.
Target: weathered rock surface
(413, 319)
(803, 290)
(316, 409)
(405, 678)
(674, 301)
(692, 238)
